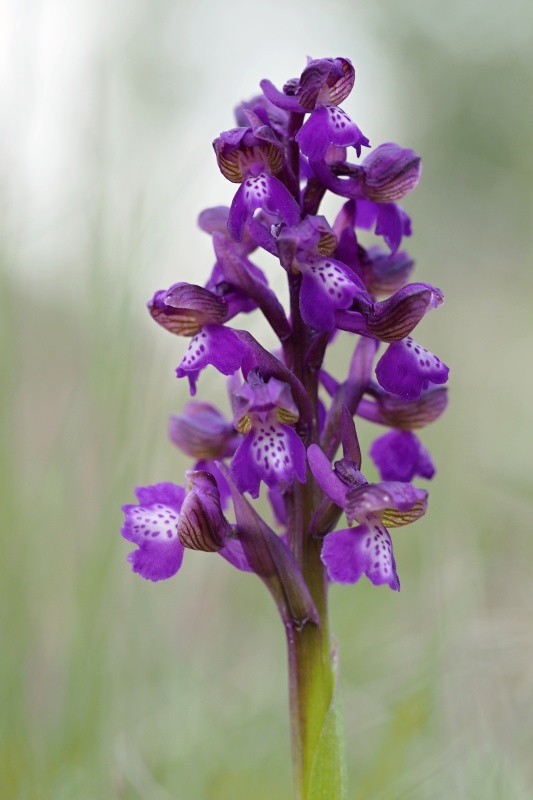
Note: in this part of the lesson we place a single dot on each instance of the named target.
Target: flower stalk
(290, 415)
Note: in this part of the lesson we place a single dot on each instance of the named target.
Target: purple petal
(277, 502)
(389, 409)
(348, 554)
(327, 286)
(406, 500)
(238, 214)
(153, 526)
(202, 431)
(210, 465)
(266, 192)
(272, 453)
(391, 172)
(407, 369)
(233, 552)
(393, 319)
(392, 223)
(329, 125)
(214, 345)
(400, 456)
(202, 524)
(335, 76)
(326, 478)
(279, 99)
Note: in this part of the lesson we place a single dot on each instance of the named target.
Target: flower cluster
(290, 415)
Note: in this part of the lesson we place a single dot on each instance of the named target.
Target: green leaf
(328, 780)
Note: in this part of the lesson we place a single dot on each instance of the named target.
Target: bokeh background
(112, 687)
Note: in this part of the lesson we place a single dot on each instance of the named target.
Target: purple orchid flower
(168, 519)
(367, 549)
(328, 285)
(252, 156)
(186, 310)
(322, 86)
(271, 451)
(153, 526)
(387, 174)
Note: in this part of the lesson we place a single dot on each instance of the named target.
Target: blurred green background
(112, 687)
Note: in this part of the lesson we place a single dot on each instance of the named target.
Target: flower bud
(202, 525)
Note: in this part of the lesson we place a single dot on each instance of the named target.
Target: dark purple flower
(381, 271)
(400, 456)
(269, 114)
(271, 451)
(366, 550)
(153, 526)
(407, 368)
(322, 86)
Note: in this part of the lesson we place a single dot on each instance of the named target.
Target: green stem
(311, 685)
